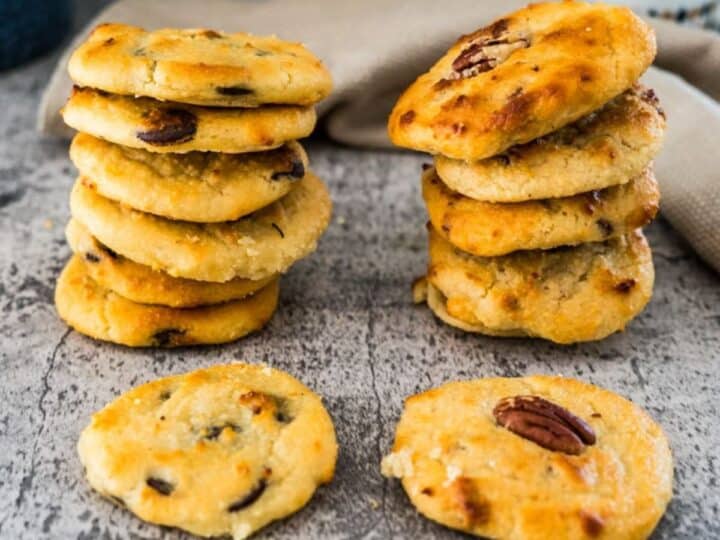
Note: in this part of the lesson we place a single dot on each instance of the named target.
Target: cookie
(532, 458)
(144, 285)
(524, 76)
(204, 67)
(219, 451)
(254, 247)
(205, 187)
(603, 149)
(167, 127)
(103, 314)
(490, 229)
(565, 295)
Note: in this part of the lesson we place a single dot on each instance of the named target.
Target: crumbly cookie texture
(102, 314)
(565, 295)
(264, 243)
(605, 148)
(490, 229)
(219, 451)
(205, 187)
(169, 127)
(200, 66)
(540, 457)
(142, 284)
(524, 76)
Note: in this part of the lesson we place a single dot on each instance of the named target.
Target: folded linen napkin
(375, 48)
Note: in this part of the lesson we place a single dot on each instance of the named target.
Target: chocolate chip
(237, 90)
(625, 286)
(253, 495)
(213, 432)
(164, 338)
(592, 524)
(161, 486)
(109, 41)
(278, 229)
(297, 171)
(165, 395)
(605, 226)
(91, 257)
(168, 126)
(407, 117)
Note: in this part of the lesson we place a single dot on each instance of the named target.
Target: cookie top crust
(523, 76)
(218, 451)
(199, 66)
(537, 457)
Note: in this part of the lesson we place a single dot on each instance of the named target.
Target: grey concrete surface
(345, 326)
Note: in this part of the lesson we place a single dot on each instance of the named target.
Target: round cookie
(199, 66)
(490, 229)
(525, 75)
(144, 285)
(219, 451)
(102, 314)
(532, 458)
(254, 247)
(168, 127)
(565, 295)
(205, 187)
(605, 148)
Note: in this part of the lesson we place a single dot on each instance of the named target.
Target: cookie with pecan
(530, 458)
(200, 66)
(522, 77)
(168, 127)
(221, 451)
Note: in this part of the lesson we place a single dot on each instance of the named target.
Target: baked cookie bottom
(142, 284)
(102, 314)
(565, 295)
(218, 451)
(519, 471)
(491, 229)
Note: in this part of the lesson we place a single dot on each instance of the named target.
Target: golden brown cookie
(168, 127)
(102, 314)
(532, 458)
(200, 66)
(491, 229)
(205, 187)
(144, 285)
(524, 76)
(216, 452)
(565, 295)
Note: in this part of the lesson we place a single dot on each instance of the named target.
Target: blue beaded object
(29, 28)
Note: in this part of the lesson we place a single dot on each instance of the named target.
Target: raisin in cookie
(490, 229)
(103, 314)
(606, 148)
(220, 451)
(254, 247)
(144, 285)
(525, 75)
(206, 187)
(532, 458)
(199, 66)
(168, 127)
(566, 294)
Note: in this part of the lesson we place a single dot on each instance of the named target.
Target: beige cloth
(375, 48)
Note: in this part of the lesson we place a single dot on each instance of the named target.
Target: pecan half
(544, 423)
(487, 49)
(168, 126)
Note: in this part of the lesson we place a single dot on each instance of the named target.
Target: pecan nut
(545, 423)
(486, 50)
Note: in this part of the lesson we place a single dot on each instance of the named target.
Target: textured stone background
(346, 326)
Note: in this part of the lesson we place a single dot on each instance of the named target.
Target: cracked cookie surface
(200, 66)
(205, 187)
(490, 229)
(461, 465)
(219, 451)
(103, 314)
(168, 127)
(605, 148)
(522, 77)
(142, 284)
(565, 295)
(253, 247)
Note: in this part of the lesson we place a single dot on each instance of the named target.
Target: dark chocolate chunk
(161, 486)
(237, 90)
(91, 257)
(278, 229)
(253, 495)
(168, 126)
(297, 171)
(164, 338)
(213, 432)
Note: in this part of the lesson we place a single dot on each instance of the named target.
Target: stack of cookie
(542, 141)
(193, 196)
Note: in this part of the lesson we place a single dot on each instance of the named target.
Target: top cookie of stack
(193, 192)
(541, 139)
